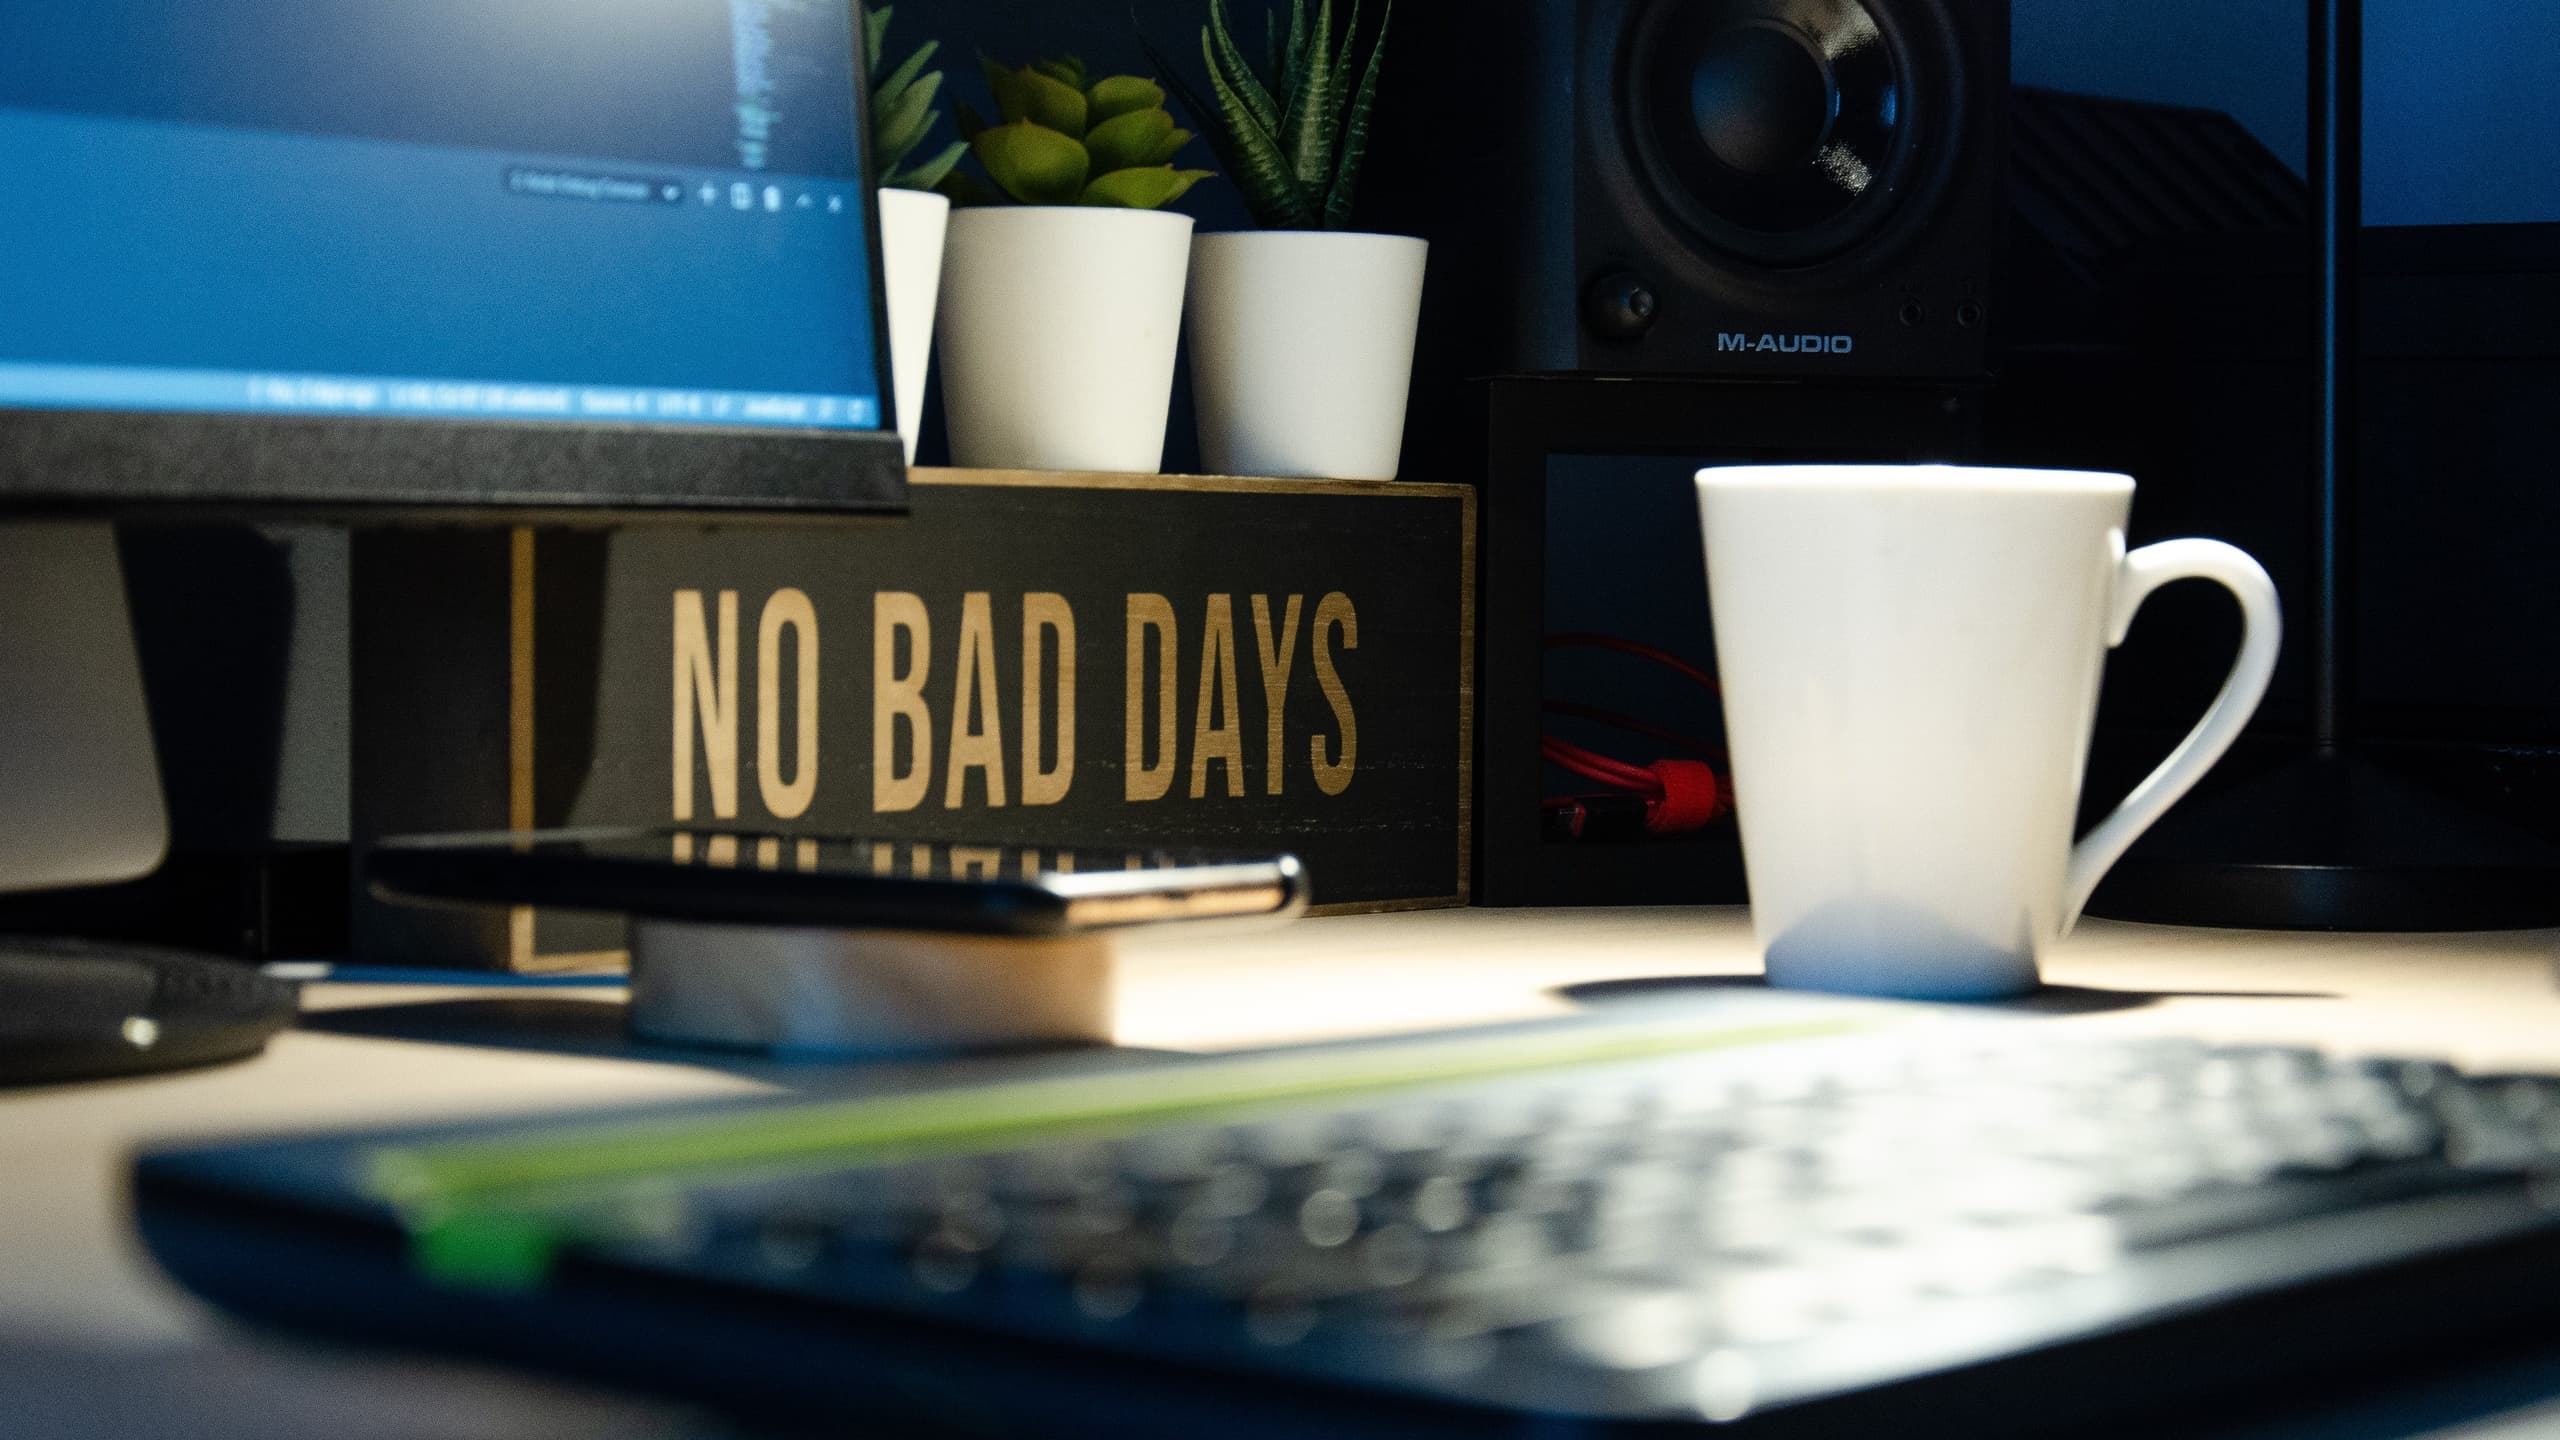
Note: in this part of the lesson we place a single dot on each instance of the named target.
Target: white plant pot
(1302, 351)
(912, 223)
(1057, 338)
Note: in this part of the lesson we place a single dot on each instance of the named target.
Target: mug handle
(2137, 575)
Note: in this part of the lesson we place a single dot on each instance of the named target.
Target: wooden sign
(1101, 661)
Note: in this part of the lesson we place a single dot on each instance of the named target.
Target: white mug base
(1898, 950)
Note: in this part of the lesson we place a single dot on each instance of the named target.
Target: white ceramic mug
(1910, 658)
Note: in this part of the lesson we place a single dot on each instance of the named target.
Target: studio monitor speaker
(1735, 188)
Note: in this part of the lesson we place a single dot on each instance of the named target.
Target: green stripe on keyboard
(491, 1213)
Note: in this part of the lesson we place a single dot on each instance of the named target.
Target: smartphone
(842, 883)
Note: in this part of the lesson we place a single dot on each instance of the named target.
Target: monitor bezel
(183, 465)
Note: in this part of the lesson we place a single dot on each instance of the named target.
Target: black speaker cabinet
(1784, 189)
(1671, 232)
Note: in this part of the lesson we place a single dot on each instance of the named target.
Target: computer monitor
(507, 260)
(350, 256)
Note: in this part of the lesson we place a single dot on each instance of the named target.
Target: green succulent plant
(1292, 130)
(1064, 138)
(902, 110)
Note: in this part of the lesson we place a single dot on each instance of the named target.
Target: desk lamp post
(2329, 838)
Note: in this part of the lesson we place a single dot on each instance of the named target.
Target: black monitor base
(2331, 839)
(88, 1009)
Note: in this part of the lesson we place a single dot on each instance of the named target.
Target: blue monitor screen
(580, 210)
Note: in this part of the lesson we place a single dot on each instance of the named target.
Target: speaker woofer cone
(1763, 99)
(1783, 133)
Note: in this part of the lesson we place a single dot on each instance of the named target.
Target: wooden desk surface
(380, 1054)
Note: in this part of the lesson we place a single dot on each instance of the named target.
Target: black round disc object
(1786, 133)
(1763, 99)
(1620, 306)
(89, 1009)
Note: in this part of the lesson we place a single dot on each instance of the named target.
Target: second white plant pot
(912, 223)
(1057, 335)
(1302, 351)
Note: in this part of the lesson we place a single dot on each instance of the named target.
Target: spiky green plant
(1292, 130)
(1064, 138)
(902, 110)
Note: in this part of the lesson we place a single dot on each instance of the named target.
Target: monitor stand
(79, 781)
(80, 804)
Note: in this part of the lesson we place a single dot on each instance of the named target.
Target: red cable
(1693, 795)
(1633, 726)
(1584, 641)
(1591, 766)
(1680, 795)
(1623, 771)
